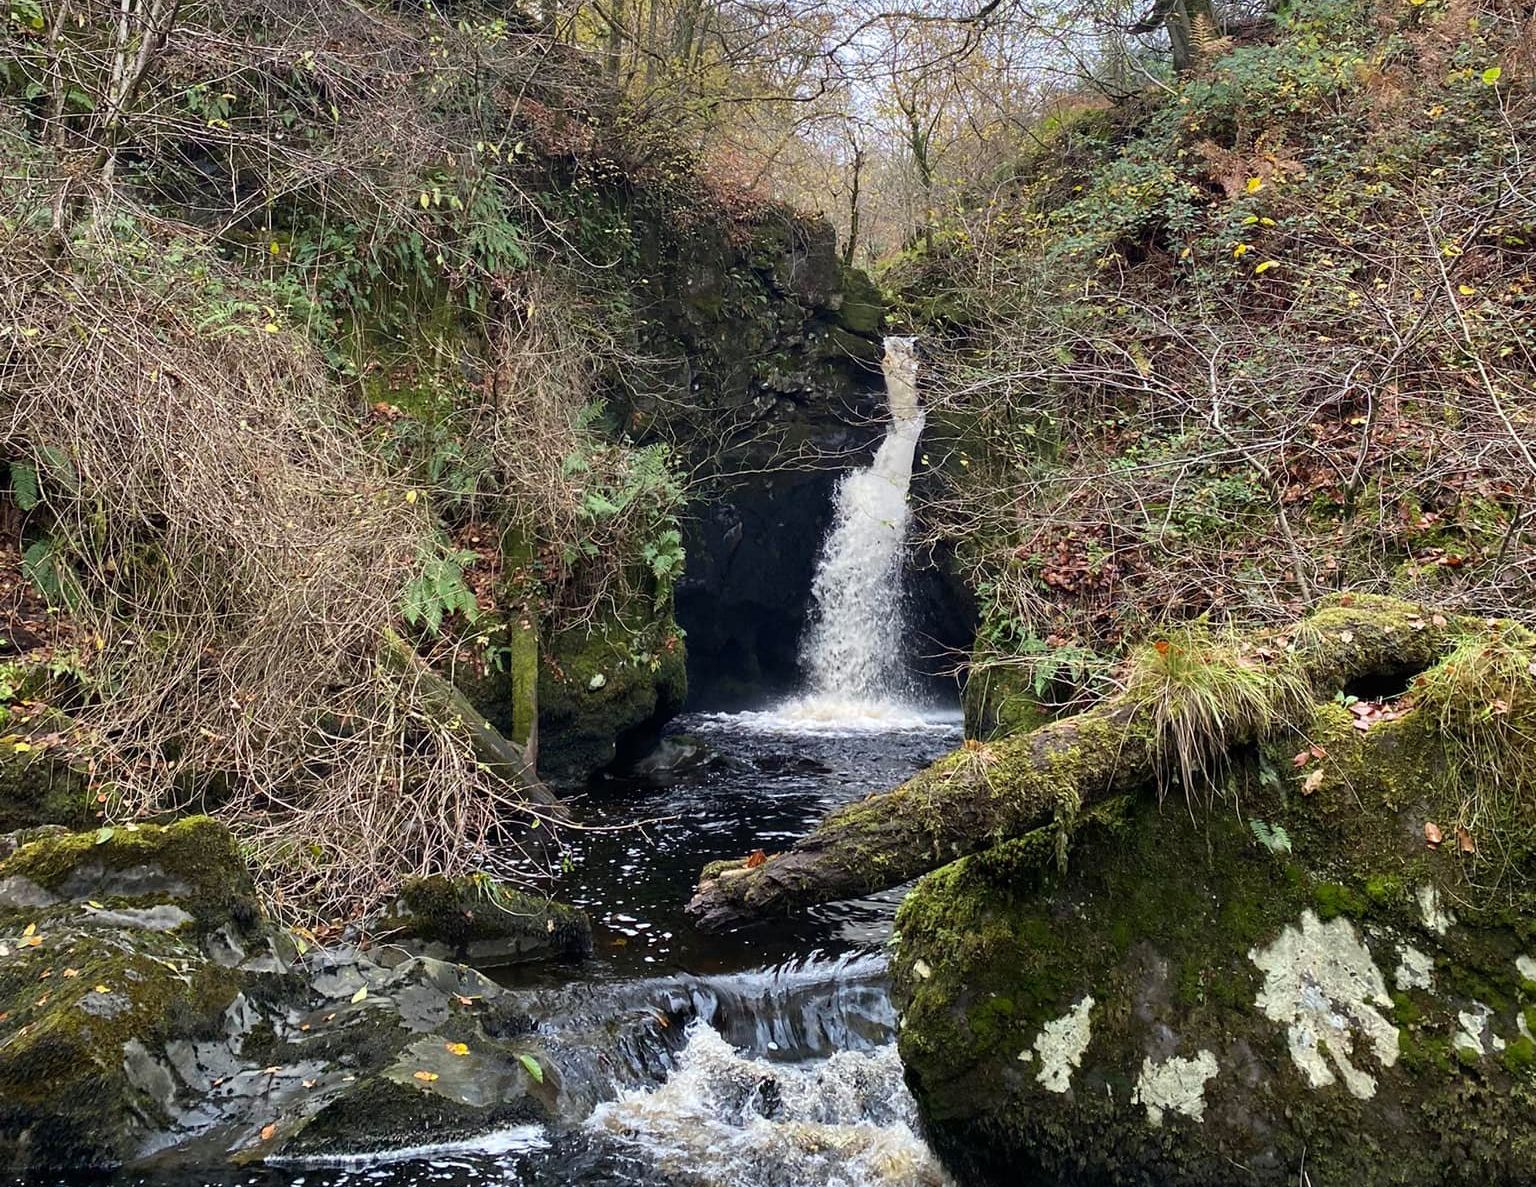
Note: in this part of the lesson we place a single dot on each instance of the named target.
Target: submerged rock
(148, 1012)
(1293, 982)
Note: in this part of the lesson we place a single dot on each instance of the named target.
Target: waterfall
(853, 649)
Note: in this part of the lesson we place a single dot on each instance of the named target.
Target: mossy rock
(104, 938)
(605, 686)
(484, 923)
(862, 310)
(36, 788)
(1292, 979)
(999, 701)
(193, 862)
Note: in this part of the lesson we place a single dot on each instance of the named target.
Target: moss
(36, 787)
(1156, 918)
(999, 701)
(467, 912)
(1520, 1056)
(1333, 900)
(194, 860)
(600, 685)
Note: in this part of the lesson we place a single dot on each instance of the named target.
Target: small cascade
(726, 1116)
(853, 650)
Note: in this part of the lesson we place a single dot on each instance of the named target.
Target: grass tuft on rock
(1200, 692)
(1482, 698)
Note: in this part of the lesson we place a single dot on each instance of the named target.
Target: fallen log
(491, 749)
(982, 794)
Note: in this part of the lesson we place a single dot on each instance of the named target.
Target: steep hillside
(1223, 346)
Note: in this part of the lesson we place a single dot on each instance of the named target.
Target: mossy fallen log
(490, 748)
(982, 794)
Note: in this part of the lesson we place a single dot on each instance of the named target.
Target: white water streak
(853, 651)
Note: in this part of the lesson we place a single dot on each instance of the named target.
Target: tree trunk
(1185, 21)
(449, 705)
(978, 796)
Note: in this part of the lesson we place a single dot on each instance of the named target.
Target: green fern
(1272, 836)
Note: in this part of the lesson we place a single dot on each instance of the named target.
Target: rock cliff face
(1324, 975)
(776, 388)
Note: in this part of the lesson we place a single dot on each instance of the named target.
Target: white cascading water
(853, 651)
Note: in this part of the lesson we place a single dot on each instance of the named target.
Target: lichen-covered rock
(1292, 982)
(483, 923)
(603, 686)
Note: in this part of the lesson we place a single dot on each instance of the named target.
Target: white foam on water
(831, 716)
(730, 1119)
(514, 1139)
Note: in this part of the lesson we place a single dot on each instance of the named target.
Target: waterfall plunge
(853, 650)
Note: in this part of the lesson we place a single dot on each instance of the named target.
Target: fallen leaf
(1346, 636)
(1312, 782)
(758, 858)
(269, 1131)
(29, 930)
(101, 989)
(360, 995)
(1302, 759)
(310, 1083)
(1438, 620)
(1464, 840)
(426, 1077)
(532, 1064)
(1432, 834)
(456, 1048)
(32, 941)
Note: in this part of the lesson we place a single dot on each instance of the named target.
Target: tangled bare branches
(235, 561)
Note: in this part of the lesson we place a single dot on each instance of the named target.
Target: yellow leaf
(101, 989)
(360, 994)
(274, 249)
(411, 496)
(268, 1131)
(21, 747)
(270, 327)
(1241, 250)
(1265, 267)
(457, 1048)
(1466, 290)
(426, 1077)
(30, 930)
(1255, 184)
(425, 199)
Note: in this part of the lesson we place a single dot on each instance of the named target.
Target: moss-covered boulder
(483, 923)
(604, 686)
(1000, 700)
(38, 787)
(1327, 975)
(149, 1013)
(107, 949)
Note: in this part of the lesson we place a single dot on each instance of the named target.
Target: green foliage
(25, 488)
(440, 590)
(1272, 836)
(43, 567)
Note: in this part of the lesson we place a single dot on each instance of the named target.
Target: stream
(760, 1059)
